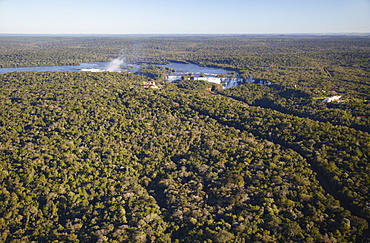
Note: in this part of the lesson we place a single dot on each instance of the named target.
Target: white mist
(115, 64)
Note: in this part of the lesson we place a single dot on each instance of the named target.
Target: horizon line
(172, 34)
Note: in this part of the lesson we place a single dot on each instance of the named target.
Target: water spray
(115, 64)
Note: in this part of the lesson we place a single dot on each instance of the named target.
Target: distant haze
(184, 17)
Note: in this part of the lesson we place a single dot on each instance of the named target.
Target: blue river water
(105, 66)
(49, 68)
(201, 73)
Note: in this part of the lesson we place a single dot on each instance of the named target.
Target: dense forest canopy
(314, 62)
(103, 157)
(309, 63)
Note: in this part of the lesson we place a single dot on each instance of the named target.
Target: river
(210, 73)
(104, 66)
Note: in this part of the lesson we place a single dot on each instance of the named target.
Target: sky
(184, 17)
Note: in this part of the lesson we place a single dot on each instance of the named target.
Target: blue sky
(184, 17)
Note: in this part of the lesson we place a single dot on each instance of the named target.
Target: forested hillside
(102, 157)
